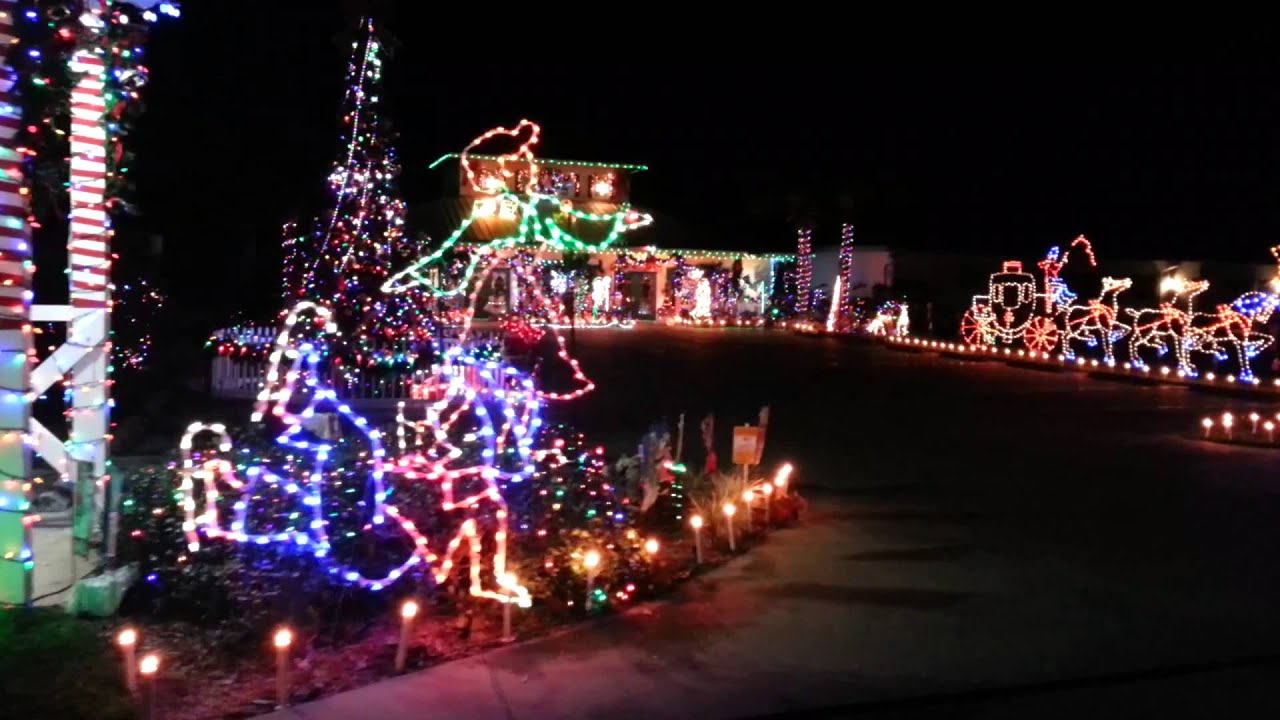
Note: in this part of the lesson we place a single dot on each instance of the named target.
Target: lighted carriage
(1012, 312)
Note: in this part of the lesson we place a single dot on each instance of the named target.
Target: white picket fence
(233, 377)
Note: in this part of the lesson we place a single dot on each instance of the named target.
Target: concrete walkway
(881, 599)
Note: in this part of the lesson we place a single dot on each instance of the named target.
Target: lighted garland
(53, 32)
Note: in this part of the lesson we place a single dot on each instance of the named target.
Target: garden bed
(211, 672)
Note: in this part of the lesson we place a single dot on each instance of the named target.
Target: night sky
(242, 125)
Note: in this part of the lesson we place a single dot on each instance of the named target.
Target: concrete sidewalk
(721, 648)
(879, 598)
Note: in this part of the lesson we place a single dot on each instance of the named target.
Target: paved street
(984, 541)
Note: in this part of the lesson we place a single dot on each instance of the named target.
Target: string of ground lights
(1253, 428)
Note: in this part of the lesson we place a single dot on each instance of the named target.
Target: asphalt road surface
(985, 541)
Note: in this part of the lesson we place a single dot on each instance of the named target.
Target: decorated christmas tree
(356, 244)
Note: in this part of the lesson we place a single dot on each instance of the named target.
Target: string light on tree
(356, 244)
(804, 270)
(843, 294)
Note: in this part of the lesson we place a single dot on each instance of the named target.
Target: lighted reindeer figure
(1167, 327)
(1096, 322)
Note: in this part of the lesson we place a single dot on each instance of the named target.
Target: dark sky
(241, 128)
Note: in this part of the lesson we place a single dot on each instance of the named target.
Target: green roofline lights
(726, 255)
(544, 161)
(683, 252)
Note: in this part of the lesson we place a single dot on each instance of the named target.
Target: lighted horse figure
(1229, 331)
(1095, 323)
(1167, 327)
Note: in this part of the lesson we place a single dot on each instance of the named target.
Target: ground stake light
(591, 561)
(767, 489)
(128, 642)
(148, 666)
(408, 611)
(729, 510)
(509, 583)
(696, 522)
(780, 480)
(282, 640)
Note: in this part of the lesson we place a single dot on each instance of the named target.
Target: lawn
(55, 666)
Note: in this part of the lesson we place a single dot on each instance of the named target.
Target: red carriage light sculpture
(1011, 311)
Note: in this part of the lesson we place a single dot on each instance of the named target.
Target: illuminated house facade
(636, 278)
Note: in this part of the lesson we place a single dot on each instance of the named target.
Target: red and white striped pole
(90, 250)
(16, 350)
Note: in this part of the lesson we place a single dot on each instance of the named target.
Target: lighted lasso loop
(523, 153)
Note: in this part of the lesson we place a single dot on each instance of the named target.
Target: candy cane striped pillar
(15, 340)
(90, 249)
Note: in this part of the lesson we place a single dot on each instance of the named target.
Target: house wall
(872, 266)
(585, 173)
(758, 268)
